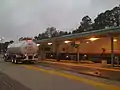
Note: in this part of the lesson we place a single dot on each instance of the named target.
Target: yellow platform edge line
(87, 81)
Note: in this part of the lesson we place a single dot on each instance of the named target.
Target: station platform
(85, 67)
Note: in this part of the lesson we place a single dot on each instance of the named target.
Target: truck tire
(4, 59)
(12, 60)
(15, 61)
(31, 62)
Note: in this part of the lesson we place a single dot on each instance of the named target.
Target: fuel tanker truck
(22, 51)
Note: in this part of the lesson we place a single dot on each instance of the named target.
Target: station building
(96, 46)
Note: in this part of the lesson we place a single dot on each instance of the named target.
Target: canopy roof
(101, 32)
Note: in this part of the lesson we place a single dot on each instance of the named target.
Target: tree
(69, 32)
(80, 29)
(11, 42)
(6, 45)
(55, 34)
(61, 33)
(86, 23)
(103, 20)
(25, 38)
(39, 36)
(74, 31)
(116, 15)
(36, 38)
(65, 33)
(109, 18)
(51, 32)
(44, 36)
(21, 38)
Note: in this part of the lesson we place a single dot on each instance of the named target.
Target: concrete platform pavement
(94, 69)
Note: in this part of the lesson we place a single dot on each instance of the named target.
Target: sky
(30, 17)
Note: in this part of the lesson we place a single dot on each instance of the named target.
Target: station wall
(94, 47)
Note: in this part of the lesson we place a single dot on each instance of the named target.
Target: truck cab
(6, 57)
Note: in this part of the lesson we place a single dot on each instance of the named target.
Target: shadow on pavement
(6, 83)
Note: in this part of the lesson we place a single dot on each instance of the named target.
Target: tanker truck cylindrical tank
(23, 47)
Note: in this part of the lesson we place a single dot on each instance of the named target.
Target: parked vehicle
(21, 51)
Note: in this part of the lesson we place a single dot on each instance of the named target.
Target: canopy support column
(112, 51)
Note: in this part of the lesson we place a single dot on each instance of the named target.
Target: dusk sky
(31, 17)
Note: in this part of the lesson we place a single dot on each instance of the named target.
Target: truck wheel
(4, 59)
(15, 61)
(32, 62)
(12, 60)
